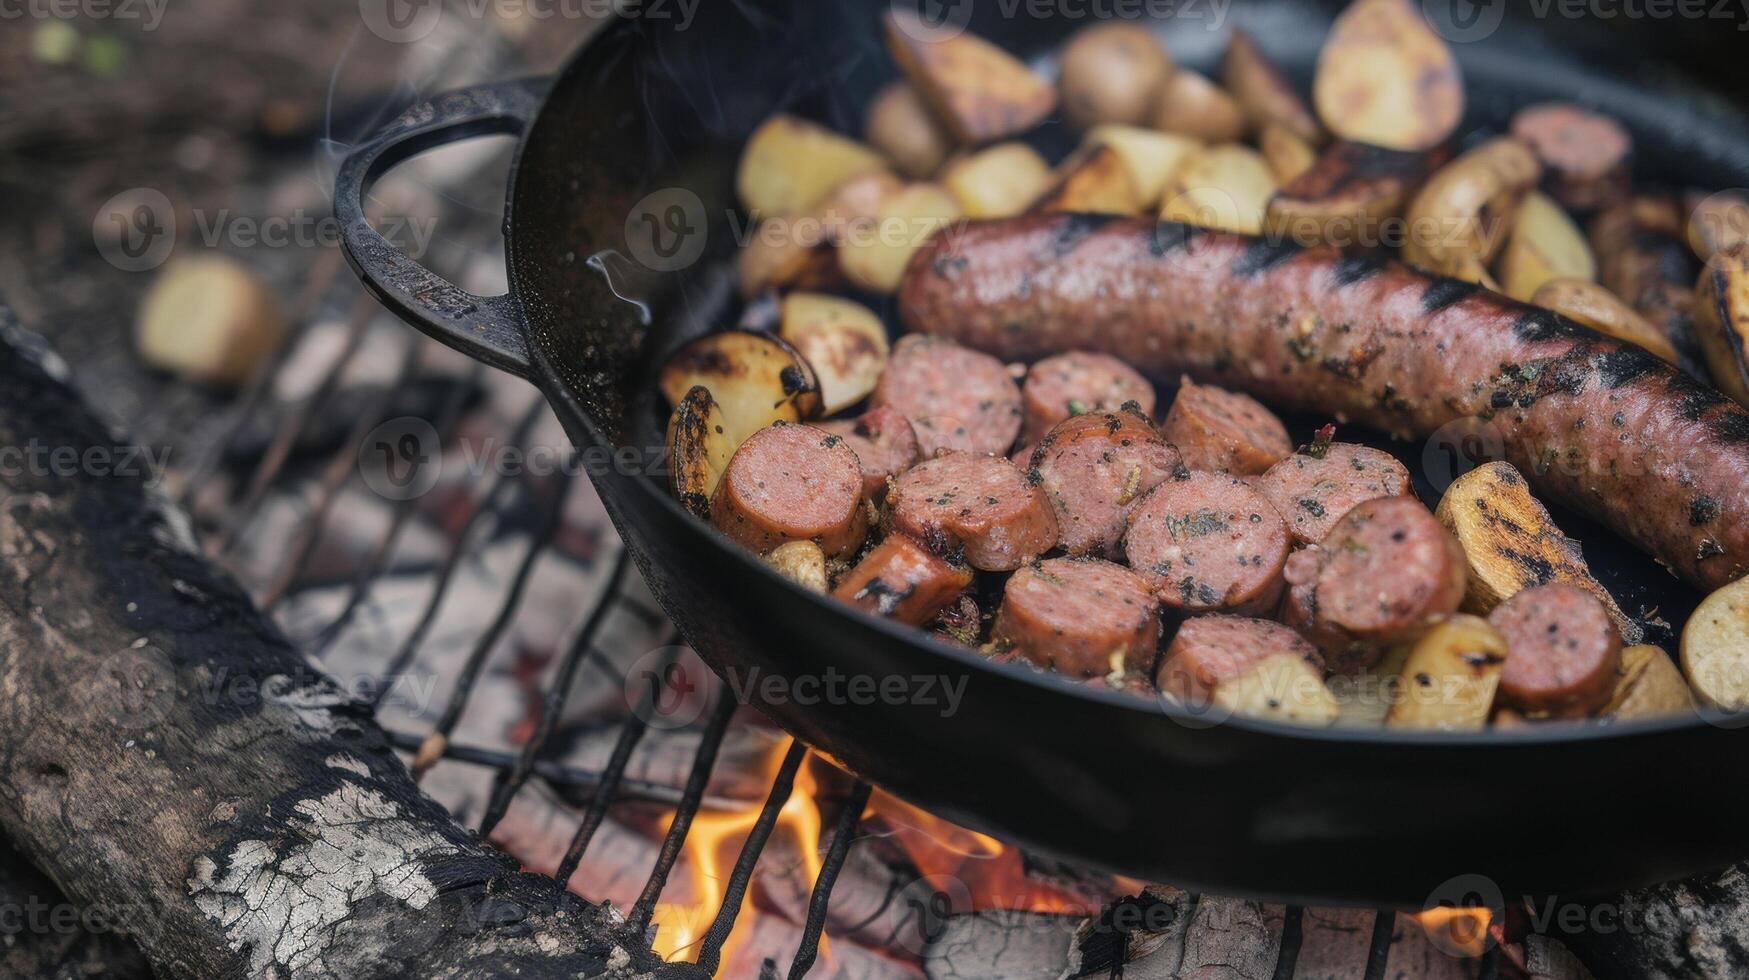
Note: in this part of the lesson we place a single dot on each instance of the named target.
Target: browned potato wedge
(874, 258)
(1510, 542)
(1715, 648)
(901, 125)
(1110, 73)
(1225, 187)
(210, 319)
(1191, 105)
(1281, 687)
(1718, 222)
(1603, 311)
(1346, 196)
(1461, 217)
(980, 91)
(1152, 157)
(1721, 320)
(756, 379)
(1650, 685)
(1386, 79)
(798, 254)
(1545, 244)
(1094, 180)
(1287, 154)
(699, 448)
(997, 182)
(1450, 677)
(844, 341)
(1366, 698)
(790, 165)
(1264, 93)
(802, 562)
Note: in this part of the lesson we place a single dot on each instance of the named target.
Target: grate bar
(711, 951)
(556, 696)
(683, 814)
(848, 820)
(607, 791)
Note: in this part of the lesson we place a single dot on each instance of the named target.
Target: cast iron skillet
(1122, 782)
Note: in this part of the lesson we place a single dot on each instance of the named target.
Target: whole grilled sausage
(1600, 425)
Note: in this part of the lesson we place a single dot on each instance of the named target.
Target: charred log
(1698, 927)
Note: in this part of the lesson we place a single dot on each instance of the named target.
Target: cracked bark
(162, 745)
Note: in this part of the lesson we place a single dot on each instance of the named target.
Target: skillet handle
(487, 328)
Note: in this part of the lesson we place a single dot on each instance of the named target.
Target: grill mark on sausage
(1075, 229)
(1355, 269)
(1536, 325)
(1262, 255)
(1625, 366)
(1442, 293)
(1166, 237)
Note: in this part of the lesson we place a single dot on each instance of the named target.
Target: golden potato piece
(901, 125)
(997, 182)
(1603, 311)
(1450, 677)
(756, 379)
(1095, 181)
(699, 448)
(980, 91)
(1545, 244)
(1717, 223)
(1715, 648)
(1263, 92)
(1721, 320)
(844, 341)
(209, 319)
(1366, 698)
(1191, 105)
(1288, 155)
(797, 253)
(802, 562)
(1510, 542)
(1111, 72)
(1386, 79)
(790, 165)
(1152, 157)
(1280, 687)
(874, 257)
(1346, 196)
(1461, 216)
(1650, 686)
(1225, 187)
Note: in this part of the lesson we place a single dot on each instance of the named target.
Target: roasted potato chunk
(980, 91)
(1191, 105)
(1386, 79)
(1650, 686)
(799, 254)
(1281, 687)
(1225, 187)
(1461, 216)
(1263, 92)
(1604, 312)
(1715, 648)
(1545, 245)
(1511, 543)
(756, 379)
(210, 319)
(1344, 198)
(699, 447)
(1111, 73)
(874, 259)
(802, 562)
(997, 182)
(844, 341)
(1095, 181)
(901, 125)
(1721, 320)
(1151, 157)
(1288, 155)
(790, 165)
(1449, 679)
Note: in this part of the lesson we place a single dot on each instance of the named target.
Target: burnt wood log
(161, 741)
(1698, 927)
(42, 934)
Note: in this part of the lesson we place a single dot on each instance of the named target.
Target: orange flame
(1462, 930)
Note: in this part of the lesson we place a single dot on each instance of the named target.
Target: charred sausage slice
(1353, 337)
(1082, 616)
(1315, 491)
(901, 579)
(1563, 650)
(1207, 542)
(1094, 468)
(1224, 431)
(1210, 650)
(957, 399)
(884, 444)
(1078, 382)
(983, 505)
(1584, 155)
(792, 483)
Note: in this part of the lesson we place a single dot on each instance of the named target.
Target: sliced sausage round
(1562, 650)
(901, 579)
(1095, 468)
(792, 483)
(983, 505)
(956, 398)
(1584, 154)
(1207, 542)
(1077, 382)
(1224, 431)
(1314, 492)
(884, 444)
(1082, 616)
(1211, 650)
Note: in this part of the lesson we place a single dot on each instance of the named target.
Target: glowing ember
(1458, 930)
